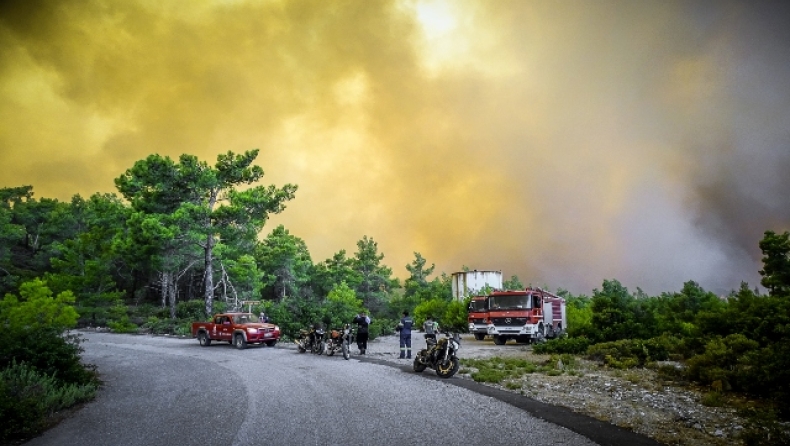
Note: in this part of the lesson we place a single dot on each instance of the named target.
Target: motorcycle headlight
(455, 345)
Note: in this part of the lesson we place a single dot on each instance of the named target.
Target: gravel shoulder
(633, 399)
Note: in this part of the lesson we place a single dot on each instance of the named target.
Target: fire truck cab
(478, 317)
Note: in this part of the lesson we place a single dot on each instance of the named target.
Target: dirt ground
(635, 399)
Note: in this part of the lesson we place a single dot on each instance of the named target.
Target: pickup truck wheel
(203, 339)
(271, 343)
(480, 336)
(240, 342)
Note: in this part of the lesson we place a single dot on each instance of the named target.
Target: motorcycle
(340, 339)
(312, 340)
(439, 355)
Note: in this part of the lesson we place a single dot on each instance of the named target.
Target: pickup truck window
(245, 318)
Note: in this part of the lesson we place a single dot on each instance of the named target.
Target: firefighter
(404, 327)
(362, 320)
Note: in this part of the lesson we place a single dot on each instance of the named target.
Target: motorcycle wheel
(418, 366)
(346, 351)
(447, 370)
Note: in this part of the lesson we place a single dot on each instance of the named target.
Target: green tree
(37, 308)
(342, 304)
(333, 271)
(209, 199)
(86, 264)
(30, 227)
(418, 275)
(11, 234)
(514, 283)
(435, 308)
(776, 263)
(376, 281)
(613, 312)
(455, 316)
(286, 265)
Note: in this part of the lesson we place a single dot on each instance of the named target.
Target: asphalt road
(168, 391)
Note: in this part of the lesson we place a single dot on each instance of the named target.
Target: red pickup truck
(238, 329)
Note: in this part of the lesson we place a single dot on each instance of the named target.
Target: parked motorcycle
(312, 340)
(439, 355)
(340, 340)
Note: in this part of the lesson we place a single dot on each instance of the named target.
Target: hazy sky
(566, 142)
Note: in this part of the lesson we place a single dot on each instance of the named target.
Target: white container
(469, 283)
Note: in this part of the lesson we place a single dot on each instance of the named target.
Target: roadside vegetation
(40, 369)
(184, 239)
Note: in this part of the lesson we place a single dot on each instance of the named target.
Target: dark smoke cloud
(565, 143)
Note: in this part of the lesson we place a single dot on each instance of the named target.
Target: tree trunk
(209, 250)
(164, 284)
(209, 284)
(171, 294)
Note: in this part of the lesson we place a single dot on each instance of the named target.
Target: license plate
(267, 335)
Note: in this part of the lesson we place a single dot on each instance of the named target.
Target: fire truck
(528, 316)
(478, 317)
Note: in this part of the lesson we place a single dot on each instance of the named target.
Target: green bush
(763, 427)
(49, 352)
(28, 397)
(381, 327)
(627, 353)
(723, 361)
(573, 346)
(193, 310)
(168, 326)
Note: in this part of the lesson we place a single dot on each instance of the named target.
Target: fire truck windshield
(509, 302)
(477, 305)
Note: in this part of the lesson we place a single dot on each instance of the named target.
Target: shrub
(722, 361)
(627, 353)
(193, 310)
(28, 396)
(123, 325)
(574, 346)
(489, 376)
(47, 351)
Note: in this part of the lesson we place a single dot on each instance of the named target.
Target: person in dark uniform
(404, 327)
(362, 320)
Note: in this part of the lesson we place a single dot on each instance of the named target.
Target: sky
(565, 142)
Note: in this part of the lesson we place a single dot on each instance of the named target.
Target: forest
(183, 239)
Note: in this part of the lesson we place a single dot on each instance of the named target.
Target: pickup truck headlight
(252, 330)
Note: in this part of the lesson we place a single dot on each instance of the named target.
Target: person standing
(263, 318)
(430, 327)
(404, 327)
(363, 321)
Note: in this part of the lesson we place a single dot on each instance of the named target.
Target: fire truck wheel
(480, 336)
(499, 340)
(540, 335)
